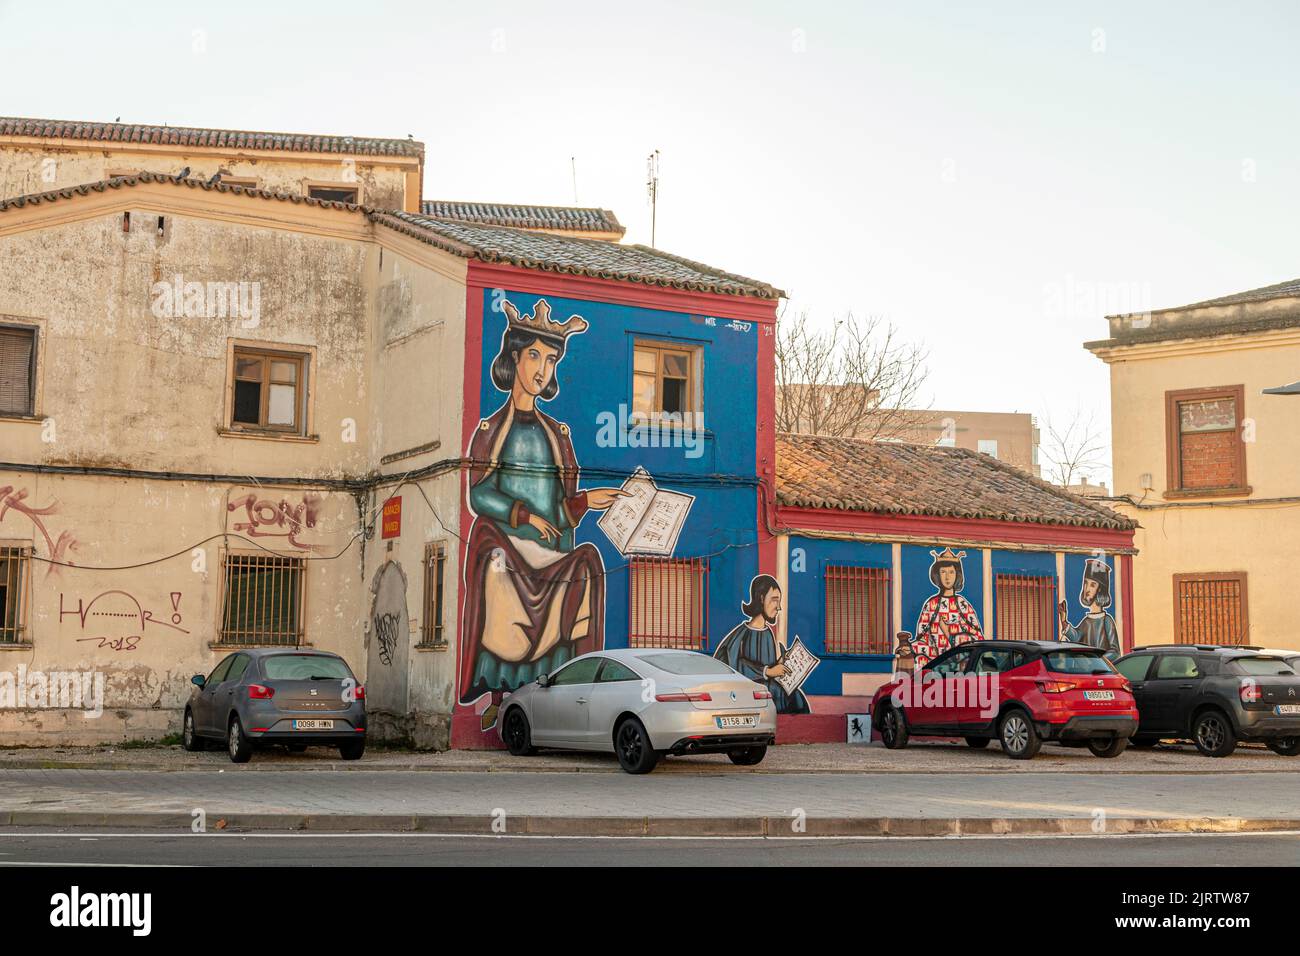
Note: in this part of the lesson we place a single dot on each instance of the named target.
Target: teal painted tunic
(527, 473)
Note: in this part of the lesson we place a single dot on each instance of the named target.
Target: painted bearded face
(772, 606)
(1089, 591)
(948, 577)
(535, 366)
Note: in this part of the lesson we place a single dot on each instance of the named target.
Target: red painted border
(1126, 582)
(493, 275)
(977, 529)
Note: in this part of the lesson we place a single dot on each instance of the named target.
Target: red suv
(1019, 692)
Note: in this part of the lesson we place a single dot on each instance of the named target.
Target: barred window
(15, 561)
(263, 600)
(1210, 608)
(431, 627)
(1026, 607)
(857, 611)
(669, 603)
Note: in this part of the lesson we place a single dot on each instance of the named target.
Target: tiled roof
(847, 474)
(589, 257)
(214, 138)
(1281, 290)
(529, 250)
(571, 218)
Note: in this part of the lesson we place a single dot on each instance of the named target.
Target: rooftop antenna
(652, 188)
(573, 165)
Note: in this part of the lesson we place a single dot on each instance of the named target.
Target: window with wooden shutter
(432, 633)
(17, 370)
(1026, 607)
(669, 603)
(1210, 608)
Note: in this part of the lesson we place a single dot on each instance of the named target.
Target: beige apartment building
(1011, 437)
(1204, 406)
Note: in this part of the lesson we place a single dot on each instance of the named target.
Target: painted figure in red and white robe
(947, 619)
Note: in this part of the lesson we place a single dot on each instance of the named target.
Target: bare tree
(1072, 449)
(856, 379)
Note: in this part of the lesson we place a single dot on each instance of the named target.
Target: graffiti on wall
(1096, 627)
(389, 643)
(15, 500)
(267, 518)
(118, 618)
(947, 618)
(754, 648)
(534, 597)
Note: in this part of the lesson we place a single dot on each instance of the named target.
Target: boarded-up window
(857, 611)
(669, 603)
(431, 627)
(17, 371)
(1210, 608)
(1206, 450)
(263, 599)
(1026, 607)
(14, 562)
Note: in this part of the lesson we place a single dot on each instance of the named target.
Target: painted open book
(799, 663)
(648, 520)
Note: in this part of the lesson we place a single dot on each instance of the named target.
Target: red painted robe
(946, 620)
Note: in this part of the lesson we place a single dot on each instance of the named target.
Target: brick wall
(1209, 460)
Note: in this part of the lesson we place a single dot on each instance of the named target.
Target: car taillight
(1055, 686)
(359, 693)
(762, 695)
(260, 692)
(681, 698)
(1125, 685)
(1250, 692)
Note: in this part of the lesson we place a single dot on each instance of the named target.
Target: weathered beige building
(1205, 458)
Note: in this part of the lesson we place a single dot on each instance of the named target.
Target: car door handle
(581, 700)
(1186, 686)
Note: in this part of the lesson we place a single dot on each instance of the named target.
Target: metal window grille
(1026, 605)
(431, 627)
(15, 561)
(857, 611)
(1211, 611)
(669, 603)
(263, 600)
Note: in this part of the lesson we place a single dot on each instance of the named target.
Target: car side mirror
(198, 680)
(543, 680)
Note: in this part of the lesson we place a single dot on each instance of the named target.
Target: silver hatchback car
(641, 704)
(289, 696)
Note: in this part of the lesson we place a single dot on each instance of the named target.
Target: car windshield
(683, 664)
(1261, 666)
(305, 667)
(1077, 662)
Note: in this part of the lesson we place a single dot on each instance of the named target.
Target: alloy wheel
(1209, 733)
(630, 744)
(1015, 733)
(234, 738)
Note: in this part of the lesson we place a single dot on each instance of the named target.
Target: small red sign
(393, 517)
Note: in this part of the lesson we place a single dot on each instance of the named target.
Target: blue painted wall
(595, 377)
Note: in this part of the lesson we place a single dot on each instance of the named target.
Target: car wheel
(237, 743)
(1212, 734)
(1019, 736)
(190, 740)
(1107, 746)
(893, 729)
(632, 744)
(1286, 746)
(1143, 743)
(352, 750)
(517, 734)
(747, 756)
(979, 743)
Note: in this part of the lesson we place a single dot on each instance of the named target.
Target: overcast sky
(993, 181)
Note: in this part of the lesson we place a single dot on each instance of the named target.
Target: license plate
(1098, 695)
(313, 725)
(1286, 710)
(737, 720)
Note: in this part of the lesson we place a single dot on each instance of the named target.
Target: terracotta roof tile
(199, 137)
(125, 182)
(572, 218)
(847, 474)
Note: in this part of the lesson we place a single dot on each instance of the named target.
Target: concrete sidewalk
(925, 757)
(698, 804)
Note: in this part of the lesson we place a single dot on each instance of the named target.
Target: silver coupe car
(641, 704)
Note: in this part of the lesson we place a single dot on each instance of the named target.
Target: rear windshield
(305, 667)
(1077, 662)
(1260, 666)
(687, 664)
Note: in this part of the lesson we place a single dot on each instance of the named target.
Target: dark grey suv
(277, 695)
(1214, 696)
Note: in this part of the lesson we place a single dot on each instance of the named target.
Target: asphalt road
(43, 847)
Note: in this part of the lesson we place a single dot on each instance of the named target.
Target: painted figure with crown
(534, 598)
(947, 619)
